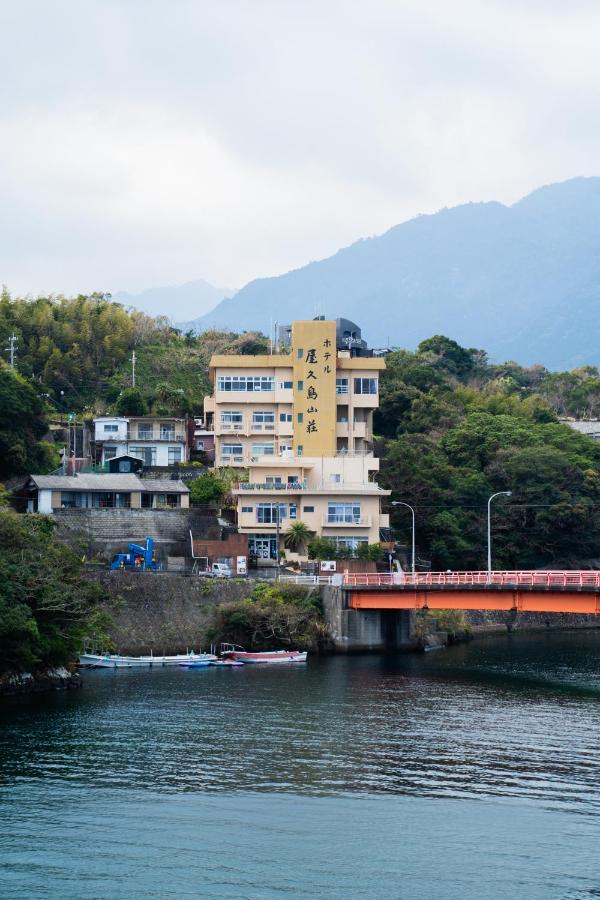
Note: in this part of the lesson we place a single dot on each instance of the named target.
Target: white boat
(90, 660)
(231, 651)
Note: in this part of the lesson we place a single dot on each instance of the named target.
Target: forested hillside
(452, 427)
(78, 350)
(455, 430)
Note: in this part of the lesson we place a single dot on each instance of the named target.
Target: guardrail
(307, 579)
(575, 579)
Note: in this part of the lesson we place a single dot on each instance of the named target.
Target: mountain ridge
(522, 280)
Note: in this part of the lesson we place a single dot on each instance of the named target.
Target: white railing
(307, 579)
(523, 578)
(341, 522)
(261, 486)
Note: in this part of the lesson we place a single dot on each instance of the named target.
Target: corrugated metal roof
(163, 486)
(108, 482)
(84, 482)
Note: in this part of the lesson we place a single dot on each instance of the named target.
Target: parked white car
(217, 570)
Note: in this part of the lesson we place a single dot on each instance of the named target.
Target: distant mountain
(522, 282)
(182, 301)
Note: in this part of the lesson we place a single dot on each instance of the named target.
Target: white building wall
(45, 501)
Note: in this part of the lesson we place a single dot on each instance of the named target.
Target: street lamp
(489, 524)
(401, 503)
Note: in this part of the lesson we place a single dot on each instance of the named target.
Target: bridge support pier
(364, 630)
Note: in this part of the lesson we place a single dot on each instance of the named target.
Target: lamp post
(489, 526)
(401, 503)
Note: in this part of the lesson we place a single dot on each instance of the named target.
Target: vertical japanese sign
(314, 352)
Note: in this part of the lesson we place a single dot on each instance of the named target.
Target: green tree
(23, 424)
(297, 536)
(209, 489)
(131, 402)
(46, 605)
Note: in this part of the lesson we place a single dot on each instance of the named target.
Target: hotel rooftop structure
(301, 423)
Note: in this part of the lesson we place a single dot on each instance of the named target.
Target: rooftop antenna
(12, 349)
(276, 336)
(271, 336)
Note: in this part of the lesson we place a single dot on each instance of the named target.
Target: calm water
(472, 773)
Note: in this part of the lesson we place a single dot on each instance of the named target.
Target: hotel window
(262, 449)
(286, 385)
(300, 385)
(365, 385)
(300, 352)
(350, 543)
(232, 451)
(255, 383)
(232, 418)
(300, 418)
(247, 509)
(266, 513)
(341, 385)
(308, 509)
(264, 418)
(343, 512)
(273, 479)
(145, 431)
(174, 455)
(285, 417)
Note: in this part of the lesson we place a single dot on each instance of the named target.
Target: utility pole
(12, 349)
(489, 528)
(133, 369)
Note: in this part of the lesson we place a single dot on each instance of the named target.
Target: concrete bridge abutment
(364, 630)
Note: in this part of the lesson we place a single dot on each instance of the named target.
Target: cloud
(156, 142)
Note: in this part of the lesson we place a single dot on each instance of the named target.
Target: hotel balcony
(340, 522)
(327, 487)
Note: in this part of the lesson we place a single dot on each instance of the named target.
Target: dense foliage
(46, 606)
(78, 351)
(208, 488)
(274, 615)
(23, 425)
(458, 429)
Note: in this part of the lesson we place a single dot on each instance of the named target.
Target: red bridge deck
(528, 591)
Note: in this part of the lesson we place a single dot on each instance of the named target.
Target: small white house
(156, 440)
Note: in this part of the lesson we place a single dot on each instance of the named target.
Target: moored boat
(91, 660)
(231, 651)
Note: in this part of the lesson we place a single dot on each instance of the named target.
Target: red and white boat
(232, 651)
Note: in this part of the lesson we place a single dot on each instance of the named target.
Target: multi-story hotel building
(301, 422)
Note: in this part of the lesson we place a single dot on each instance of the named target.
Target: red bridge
(525, 591)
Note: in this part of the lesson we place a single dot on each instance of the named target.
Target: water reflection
(509, 718)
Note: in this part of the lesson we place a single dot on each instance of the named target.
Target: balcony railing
(290, 486)
(337, 521)
(327, 487)
(155, 434)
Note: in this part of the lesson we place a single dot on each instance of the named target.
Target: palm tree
(297, 536)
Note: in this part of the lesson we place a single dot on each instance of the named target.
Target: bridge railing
(575, 579)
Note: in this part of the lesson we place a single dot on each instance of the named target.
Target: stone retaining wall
(163, 611)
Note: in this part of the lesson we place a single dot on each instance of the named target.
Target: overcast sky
(149, 142)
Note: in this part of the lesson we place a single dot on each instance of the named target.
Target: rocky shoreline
(55, 679)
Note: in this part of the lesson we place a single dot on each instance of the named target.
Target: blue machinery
(139, 557)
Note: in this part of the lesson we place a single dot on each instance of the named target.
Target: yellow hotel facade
(301, 423)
